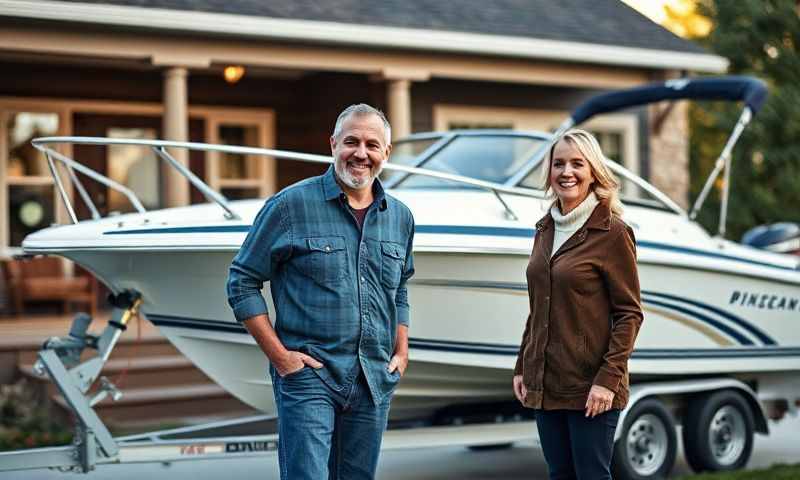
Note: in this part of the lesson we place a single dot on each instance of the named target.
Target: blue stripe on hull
(196, 324)
(206, 229)
(757, 332)
(646, 298)
(473, 230)
(499, 349)
(459, 230)
(705, 319)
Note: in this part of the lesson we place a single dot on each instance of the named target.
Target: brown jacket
(585, 312)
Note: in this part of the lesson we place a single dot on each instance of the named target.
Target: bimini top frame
(750, 90)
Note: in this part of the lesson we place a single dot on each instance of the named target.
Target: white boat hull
(468, 309)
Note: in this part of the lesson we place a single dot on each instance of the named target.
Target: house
(275, 74)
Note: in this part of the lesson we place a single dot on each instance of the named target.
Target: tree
(760, 38)
(683, 19)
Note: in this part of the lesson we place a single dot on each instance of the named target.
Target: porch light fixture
(233, 73)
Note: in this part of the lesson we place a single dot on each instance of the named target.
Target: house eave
(365, 36)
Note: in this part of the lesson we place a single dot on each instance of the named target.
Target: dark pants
(576, 447)
(324, 435)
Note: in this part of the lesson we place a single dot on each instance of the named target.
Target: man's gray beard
(340, 167)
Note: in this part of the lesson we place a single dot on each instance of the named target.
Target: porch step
(126, 347)
(141, 408)
(146, 371)
(160, 387)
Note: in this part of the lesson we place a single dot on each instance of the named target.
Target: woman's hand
(599, 401)
(519, 389)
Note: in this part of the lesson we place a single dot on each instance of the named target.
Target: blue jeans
(324, 435)
(576, 447)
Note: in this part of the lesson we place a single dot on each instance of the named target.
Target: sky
(683, 19)
(654, 9)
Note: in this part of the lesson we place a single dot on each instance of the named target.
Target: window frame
(263, 118)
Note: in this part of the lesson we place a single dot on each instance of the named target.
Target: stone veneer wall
(669, 151)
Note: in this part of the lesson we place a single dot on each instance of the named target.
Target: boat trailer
(93, 444)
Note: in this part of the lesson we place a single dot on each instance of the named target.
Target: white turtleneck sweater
(567, 225)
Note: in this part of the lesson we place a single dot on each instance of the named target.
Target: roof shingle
(606, 22)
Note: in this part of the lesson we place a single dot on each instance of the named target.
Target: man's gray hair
(362, 109)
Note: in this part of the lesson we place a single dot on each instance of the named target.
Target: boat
(781, 237)
(712, 307)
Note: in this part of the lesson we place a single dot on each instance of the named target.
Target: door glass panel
(236, 165)
(134, 166)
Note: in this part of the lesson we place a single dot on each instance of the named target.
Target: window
(31, 201)
(239, 176)
(611, 142)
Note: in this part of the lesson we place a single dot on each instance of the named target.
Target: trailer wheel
(718, 432)
(647, 445)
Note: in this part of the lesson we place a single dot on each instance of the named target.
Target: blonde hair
(606, 185)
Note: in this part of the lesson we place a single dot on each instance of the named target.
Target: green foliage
(776, 472)
(24, 422)
(760, 38)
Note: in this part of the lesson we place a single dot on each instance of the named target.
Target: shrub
(25, 421)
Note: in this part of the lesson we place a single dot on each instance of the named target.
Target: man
(337, 252)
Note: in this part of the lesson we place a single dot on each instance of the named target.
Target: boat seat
(43, 279)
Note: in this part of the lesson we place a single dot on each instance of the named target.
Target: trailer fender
(644, 390)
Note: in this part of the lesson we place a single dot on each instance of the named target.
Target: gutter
(332, 33)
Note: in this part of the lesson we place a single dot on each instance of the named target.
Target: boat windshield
(493, 158)
(496, 157)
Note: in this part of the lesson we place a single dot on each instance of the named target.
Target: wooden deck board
(32, 330)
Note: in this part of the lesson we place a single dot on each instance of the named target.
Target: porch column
(399, 102)
(175, 187)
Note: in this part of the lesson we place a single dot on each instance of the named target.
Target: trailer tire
(647, 445)
(718, 432)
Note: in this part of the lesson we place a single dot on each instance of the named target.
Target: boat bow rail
(47, 145)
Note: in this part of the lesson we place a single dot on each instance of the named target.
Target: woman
(585, 313)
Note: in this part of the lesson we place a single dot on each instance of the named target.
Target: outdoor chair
(43, 279)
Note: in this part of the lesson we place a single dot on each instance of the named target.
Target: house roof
(608, 22)
(527, 28)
